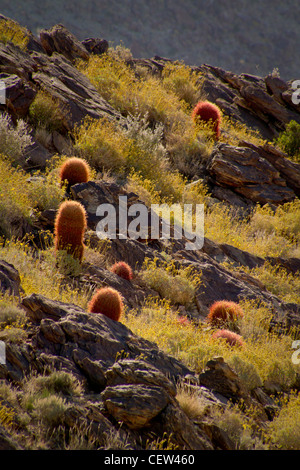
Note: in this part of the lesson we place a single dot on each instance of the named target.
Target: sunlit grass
(39, 273)
(10, 31)
(263, 233)
(14, 204)
(235, 133)
(178, 285)
(277, 280)
(266, 355)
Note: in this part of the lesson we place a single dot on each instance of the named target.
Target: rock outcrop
(249, 175)
(218, 282)
(125, 378)
(136, 381)
(242, 175)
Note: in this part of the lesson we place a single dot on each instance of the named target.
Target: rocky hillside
(252, 37)
(155, 379)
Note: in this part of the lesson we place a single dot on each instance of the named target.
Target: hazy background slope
(243, 36)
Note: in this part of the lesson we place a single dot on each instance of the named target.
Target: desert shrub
(108, 302)
(46, 112)
(279, 281)
(148, 158)
(256, 321)
(8, 393)
(39, 273)
(163, 443)
(284, 430)
(161, 163)
(10, 31)
(55, 383)
(13, 334)
(240, 427)
(182, 81)
(13, 139)
(11, 315)
(120, 52)
(289, 140)
(14, 199)
(67, 264)
(113, 79)
(192, 344)
(246, 371)
(100, 143)
(150, 98)
(149, 139)
(283, 222)
(175, 284)
(235, 133)
(118, 84)
(106, 145)
(143, 187)
(44, 192)
(191, 402)
(50, 410)
(264, 233)
(116, 440)
(6, 416)
(189, 146)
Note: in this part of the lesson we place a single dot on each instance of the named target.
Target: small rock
(95, 45)
(138, 372)
(220, 378)
(135, 405)
(10, 281)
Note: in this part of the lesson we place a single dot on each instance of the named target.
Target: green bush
(289, 140)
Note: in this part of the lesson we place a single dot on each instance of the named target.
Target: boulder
(135, 405)
(262, 104)
(248, 173)
(69, 332)
(59, 39)
(19, 96)
(287, 169)
(78, 98)
(15, 61)
(25, 72)
(95, 45)
(223, 380)
(10, 282)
